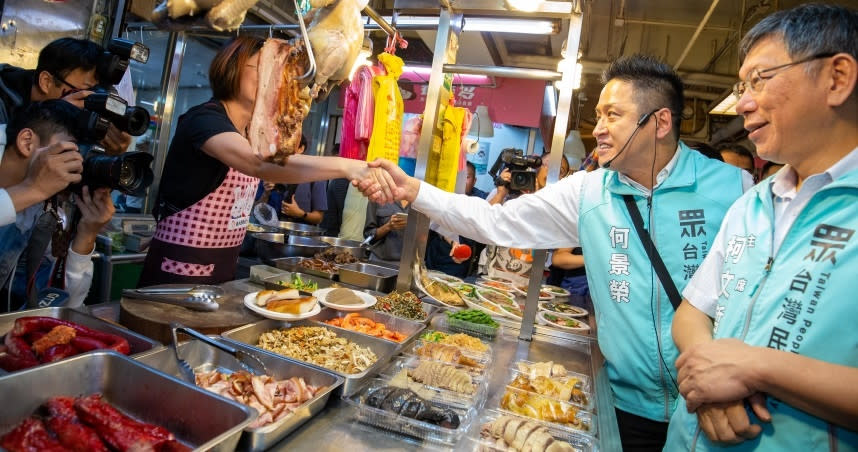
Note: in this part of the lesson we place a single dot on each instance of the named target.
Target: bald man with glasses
(769, 351)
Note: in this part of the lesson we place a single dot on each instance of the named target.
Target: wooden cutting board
(153, 319)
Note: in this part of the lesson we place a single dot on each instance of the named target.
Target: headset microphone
(640, 124)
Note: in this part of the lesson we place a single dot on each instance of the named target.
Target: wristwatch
(304, 217)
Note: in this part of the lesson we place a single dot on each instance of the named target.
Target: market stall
(332, 352)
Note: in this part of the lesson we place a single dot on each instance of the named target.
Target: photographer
(47, 131)
(68, 69)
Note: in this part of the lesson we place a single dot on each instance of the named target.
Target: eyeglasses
(758, 78)
(64, 82)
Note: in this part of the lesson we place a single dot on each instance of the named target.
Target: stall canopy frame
(446, 47)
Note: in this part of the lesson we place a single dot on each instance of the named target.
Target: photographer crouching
(40, 130)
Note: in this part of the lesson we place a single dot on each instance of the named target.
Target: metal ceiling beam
(696, 34)
(674, 24)
(501, 71)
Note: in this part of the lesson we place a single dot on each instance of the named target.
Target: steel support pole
(417, 230)
(166, 103)
(564, 104)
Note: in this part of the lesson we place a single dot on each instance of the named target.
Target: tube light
(726, 106)
(496, 24)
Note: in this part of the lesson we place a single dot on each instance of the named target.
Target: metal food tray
(384, 350)
(199, 354)
(368, 276)
(585, 418)
(428, 308)
(581, 443)
(388, 420)
(443, 395)
(409, 328)
(293, 264)
(141, 392)
(139, 343)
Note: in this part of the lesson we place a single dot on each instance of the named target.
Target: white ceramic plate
(510, 302)
(368, 300)
(544, 295)
(575, 311)
(449, 279)
(556, 291)
(482, 305)
(499, 279)
(434, 300)
(497, 286)
(581, 328)
(250, 302)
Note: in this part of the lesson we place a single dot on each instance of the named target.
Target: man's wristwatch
(304, 217)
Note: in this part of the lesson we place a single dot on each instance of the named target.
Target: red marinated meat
(66, 424)
(27, 325)
(11, 363)
(118, 430)
(30, 435)
(58, 352)
(19, 347)
(85, 343)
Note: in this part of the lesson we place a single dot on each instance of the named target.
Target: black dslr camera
(522, 168)
(130, 173)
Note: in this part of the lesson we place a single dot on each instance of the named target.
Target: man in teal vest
(681, 194)
(767, 330)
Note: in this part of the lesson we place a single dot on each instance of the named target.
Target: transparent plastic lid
(381, 406)
(561, 414)
(450, 354)
(500, 431)
(448, 383)
(573, 388)
(469, 344)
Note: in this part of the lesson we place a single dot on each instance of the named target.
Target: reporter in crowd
(46, 131)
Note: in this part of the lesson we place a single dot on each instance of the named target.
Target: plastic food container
(391, 421)
(409, 328)
(448, 396)
(487, 353)
(581, 396)
(560, 414)
(485, 441)
(196, 417)
(479, 329)
(481, 360)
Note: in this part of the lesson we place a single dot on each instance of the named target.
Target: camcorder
(129, 173)
(522, 168)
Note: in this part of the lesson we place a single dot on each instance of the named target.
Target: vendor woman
(211, 174)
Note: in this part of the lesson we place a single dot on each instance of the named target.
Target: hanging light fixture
(482, 125)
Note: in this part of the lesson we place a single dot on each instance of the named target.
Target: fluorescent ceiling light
(458, 79)
(726, 106)
(496, 24)
(541, 6)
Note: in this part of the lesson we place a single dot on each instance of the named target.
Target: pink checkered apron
(200, 245)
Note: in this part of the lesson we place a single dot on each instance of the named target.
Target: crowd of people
(722, 304)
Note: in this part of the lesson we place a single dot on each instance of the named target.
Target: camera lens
(137, 121)
(520, 179)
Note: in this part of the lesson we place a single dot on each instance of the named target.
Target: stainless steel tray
(368, 276)
(138, 343)
(292, 264)
(409, 328)
(195, 416)
(384, 350)
(197, 354)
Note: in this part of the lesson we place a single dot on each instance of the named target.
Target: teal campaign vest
(802, 301)
(633, 312)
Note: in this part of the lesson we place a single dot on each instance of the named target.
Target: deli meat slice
(282, 101)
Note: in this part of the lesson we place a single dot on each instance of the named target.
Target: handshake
(383, 182)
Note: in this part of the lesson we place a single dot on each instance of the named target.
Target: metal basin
(299, 229)
(369, 276)
(273, 245)
(353, 246)
(198, 418)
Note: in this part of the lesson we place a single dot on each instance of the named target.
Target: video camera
(131, 172)
(522, 168)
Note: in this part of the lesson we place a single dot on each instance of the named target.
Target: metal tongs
(196, 297)
(248, 361)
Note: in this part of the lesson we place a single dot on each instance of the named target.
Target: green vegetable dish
(299, 284)
(473, 316)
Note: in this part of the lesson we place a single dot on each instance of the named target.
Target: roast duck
(287, 81)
